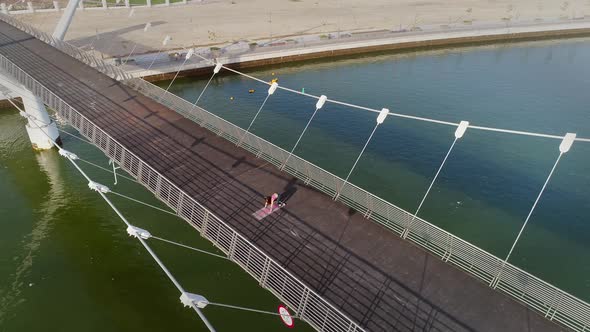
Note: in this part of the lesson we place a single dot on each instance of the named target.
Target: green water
(490, 181)
(67, 264)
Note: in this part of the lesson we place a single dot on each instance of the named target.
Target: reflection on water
(67, 261)
(54, 199)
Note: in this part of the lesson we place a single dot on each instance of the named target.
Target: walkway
(379, 280)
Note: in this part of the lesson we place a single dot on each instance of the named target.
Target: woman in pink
(273, 198)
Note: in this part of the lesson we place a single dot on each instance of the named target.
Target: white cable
(356, 162)
(299, 139)
(248, 309)
(143, 203)
(399, 115)
(202, 92)
(407, 230)
(497, 279)
(189, 247)
(254, 119)
(86, 161)
(107, 170)
(155, 57)
(145, 245)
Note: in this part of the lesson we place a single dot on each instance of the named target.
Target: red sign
(286, 317)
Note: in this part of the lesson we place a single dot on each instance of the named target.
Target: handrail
(550, 301)
(309, 305)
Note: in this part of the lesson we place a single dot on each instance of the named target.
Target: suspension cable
(142, 203)
(399, 115)
(98, 189)
(249, 309)
(189, 247)
(107, 170)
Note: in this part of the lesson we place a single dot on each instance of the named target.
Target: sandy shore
(213, 22)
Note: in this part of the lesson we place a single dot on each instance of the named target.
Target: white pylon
(35, 108)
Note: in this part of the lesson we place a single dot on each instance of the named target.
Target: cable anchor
(68, 154)
(98, 187)
(138, 232)
(188, 299)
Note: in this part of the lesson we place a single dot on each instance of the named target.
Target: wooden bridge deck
(376, 278)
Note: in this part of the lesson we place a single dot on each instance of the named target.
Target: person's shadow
(289, 190)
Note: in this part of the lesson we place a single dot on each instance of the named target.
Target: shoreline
(382, 42)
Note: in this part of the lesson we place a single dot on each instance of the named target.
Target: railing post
(303, 303)
(232, 246)
(556, 307)
(265, 270)
(158, 186)
(205, 222)
(180, 202)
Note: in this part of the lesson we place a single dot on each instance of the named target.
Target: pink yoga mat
(265, 211)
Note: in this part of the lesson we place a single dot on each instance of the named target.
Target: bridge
(334, 254)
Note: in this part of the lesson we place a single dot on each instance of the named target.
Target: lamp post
(380, 119)
(321, 101)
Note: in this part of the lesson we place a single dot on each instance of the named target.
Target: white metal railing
(89, 59)
(308, 305)
(550, 301)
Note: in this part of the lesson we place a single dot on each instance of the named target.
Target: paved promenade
(157, 64)
(379, 280)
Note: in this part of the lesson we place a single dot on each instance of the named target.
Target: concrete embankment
(391, 41)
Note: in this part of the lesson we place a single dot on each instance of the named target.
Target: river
(66, 263)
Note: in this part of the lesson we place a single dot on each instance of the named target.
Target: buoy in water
(251, 91)
(231, 98)
(302, 90)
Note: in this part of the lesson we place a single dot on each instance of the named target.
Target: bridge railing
(551, 302)
(73, 51)
(548, 300)
(306, 303)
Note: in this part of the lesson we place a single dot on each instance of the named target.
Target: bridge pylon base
(42, 127)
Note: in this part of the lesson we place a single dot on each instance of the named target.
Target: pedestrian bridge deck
(379, 280)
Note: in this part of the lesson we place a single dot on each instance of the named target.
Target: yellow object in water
(231, 98)
(274, 80)
(251, 91)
